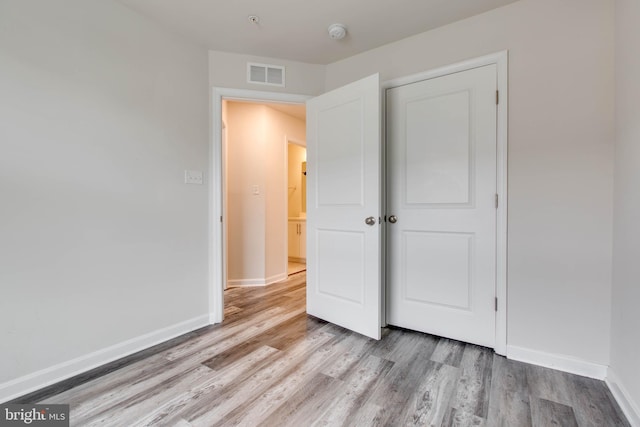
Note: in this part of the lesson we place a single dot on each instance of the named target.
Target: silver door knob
(370, 221)
(393, 219)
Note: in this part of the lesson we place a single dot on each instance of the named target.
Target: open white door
(343, 207)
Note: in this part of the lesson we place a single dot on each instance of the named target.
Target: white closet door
(441, 148)
(343, 207)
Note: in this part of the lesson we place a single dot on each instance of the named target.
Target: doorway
(258, 137)
(217, 203)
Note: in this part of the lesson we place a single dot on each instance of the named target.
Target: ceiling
(297, 29)
(299, 111)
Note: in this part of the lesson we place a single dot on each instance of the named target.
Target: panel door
(441, 182)
(343, 207)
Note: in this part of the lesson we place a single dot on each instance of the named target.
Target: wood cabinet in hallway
(298, 239)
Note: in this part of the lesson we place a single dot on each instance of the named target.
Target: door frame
(501, 60)
(217, 237)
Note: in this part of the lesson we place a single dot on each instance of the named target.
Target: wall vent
(272, 75)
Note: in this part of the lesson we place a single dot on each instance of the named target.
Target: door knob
(393, 219)
(370, 221)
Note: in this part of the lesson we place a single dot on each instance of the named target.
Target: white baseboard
(560, 362)
(277, 278)
(630, 408)
(259, 281)
(213, 319)
(51, 375)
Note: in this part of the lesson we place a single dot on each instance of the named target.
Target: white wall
(625, 338)
(229, 70)
(100, 241)
(257, 233)
(561, 98)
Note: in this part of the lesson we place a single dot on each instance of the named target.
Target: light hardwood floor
(271, 364)
(296, 267)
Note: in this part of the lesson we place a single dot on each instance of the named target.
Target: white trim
(502, 62)
(500, 59)
(216, 230)
(494, 58)
(560, 362)
(383, 204)
(259, 281)
(62, 371)
(630, 408)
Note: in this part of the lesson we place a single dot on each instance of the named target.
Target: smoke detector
(337, 31)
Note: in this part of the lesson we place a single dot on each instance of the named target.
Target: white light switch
(255, 190)
(193, 177)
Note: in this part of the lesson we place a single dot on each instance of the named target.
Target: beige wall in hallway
(256, 154)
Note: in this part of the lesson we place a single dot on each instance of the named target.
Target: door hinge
(496, 304)
(497, 97)
(220, 218)
(496, 200)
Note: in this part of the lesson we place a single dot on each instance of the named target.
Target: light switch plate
(193, 177)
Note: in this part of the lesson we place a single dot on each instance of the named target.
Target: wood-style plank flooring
(295, 267)
(270, 364)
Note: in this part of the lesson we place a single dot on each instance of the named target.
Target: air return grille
(264, 74)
